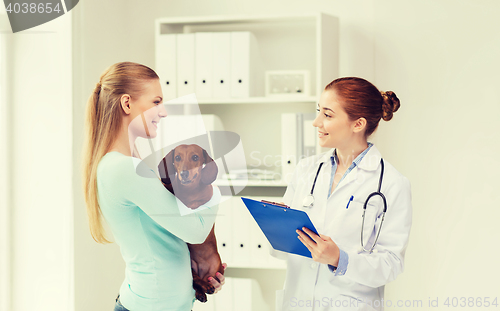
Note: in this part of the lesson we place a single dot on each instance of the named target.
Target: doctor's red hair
(361, 99)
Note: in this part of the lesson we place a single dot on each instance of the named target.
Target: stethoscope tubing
(383, 213)
(309, 199)
(309, 202)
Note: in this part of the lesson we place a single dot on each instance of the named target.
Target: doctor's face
(334, 126)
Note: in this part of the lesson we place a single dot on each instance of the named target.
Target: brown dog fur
(182, 170)
(183, 174)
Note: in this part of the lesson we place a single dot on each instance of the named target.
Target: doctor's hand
(322, 247)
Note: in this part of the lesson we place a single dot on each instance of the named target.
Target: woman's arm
(121, 180)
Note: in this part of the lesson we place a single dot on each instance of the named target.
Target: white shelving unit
(306, 41)
(286, 42)
(259, 100)
(251, 183)
(310, 41)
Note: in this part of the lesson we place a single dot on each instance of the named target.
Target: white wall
(5, 241)
(41, 206)
(99, 269)
(440, 59)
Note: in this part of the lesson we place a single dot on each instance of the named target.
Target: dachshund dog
(183, 174)
(187, 172)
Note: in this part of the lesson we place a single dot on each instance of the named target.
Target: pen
(352, 198)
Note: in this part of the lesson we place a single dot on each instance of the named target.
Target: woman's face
(147, 110)
(335, 130)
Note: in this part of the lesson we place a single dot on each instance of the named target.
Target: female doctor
(349, 265)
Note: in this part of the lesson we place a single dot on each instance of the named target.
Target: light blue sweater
(147, 225)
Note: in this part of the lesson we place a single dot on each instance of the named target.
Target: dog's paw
(210, 289)
(199, 292)
(202, 297)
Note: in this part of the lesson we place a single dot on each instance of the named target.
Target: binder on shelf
(221, 43)
(298, 140)
(258, 246)
(242, 291)
(259, 243)
(288, 145)
(246, 65)
(204, 65)
(185, 64)
(224, 300)
(309, 134)
(223, 231)
(248, 296)
(241, 232)
(279, 223)
(166, 64)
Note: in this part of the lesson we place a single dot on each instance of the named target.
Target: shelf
(307, 41)
(249, 100)
(237, 18)
(277, 266)
(260, 100)
(304, 41)
(250, 183)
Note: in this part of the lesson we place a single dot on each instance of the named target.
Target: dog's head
(189, 166)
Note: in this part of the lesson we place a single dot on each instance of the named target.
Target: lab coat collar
(326, 156)
(370, 161)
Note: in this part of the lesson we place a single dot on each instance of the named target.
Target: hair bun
(390, 104)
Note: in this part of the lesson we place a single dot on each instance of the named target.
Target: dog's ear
(166, 168)
(209, 172)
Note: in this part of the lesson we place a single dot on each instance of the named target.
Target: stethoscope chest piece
(308, 201)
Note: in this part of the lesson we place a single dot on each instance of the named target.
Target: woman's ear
(359, 125)
(209, 172)
(125, 103)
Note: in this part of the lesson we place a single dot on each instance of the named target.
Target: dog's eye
(195, 157)
(177, 158)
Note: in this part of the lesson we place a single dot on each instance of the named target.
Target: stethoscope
(309, 202)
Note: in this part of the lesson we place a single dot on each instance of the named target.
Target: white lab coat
(310, 285)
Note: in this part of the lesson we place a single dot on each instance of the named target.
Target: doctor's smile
(321, 134)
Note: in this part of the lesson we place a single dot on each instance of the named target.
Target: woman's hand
(222, 280)
(322, 247)
(207, 267)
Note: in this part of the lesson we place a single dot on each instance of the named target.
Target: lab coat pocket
(349, 221)
(279, 299)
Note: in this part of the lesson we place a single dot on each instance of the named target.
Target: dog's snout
(184, 174)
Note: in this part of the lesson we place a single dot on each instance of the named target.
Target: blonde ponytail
(103, 119)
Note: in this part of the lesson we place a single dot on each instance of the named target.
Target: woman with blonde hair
(142, 214)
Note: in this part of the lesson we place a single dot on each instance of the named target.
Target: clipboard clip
(275, 203)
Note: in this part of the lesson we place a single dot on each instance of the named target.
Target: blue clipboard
(279, 223)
